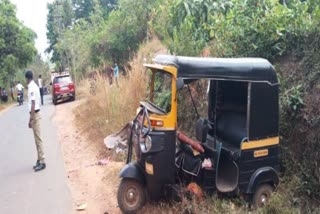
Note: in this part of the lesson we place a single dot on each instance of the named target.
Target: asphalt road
(21, 189)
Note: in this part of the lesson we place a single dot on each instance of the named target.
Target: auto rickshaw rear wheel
(262, 195)
(131, 196)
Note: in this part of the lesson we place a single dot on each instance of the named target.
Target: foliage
(104, 38)
(179, 23)
(125, 28)
(294, 97)
(16, 43)
(75, 44)
(59, 18)
(162, 91)
(300, 128)
(234, 28)
(39, 67)
(85, 8)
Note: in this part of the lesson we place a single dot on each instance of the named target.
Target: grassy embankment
(112, 106)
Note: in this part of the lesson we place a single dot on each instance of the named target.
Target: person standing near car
(34, 121)
(41, 88)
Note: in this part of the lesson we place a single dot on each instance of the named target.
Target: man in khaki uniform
(34, 101)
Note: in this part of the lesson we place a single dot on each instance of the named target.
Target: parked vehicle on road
(63, 88)
(236, 151)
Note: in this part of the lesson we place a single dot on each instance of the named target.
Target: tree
(75, 43)
(52, 33)
(17, 47)
(60, 17)
(84, 8)
(126, 27)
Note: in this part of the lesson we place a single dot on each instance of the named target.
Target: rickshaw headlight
(148, 143)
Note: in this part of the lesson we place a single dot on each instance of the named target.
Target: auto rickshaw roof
(241, 69)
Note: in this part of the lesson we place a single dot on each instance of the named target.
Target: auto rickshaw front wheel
(262, 195)
(131, 196)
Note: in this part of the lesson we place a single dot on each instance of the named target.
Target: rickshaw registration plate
(261, 153)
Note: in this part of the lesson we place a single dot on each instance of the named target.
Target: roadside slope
(90, 184)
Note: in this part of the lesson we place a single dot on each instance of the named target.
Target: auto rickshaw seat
(231, 129)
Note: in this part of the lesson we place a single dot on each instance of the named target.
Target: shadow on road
(64, 101)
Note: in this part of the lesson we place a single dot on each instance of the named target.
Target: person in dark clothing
(109, 73)
(4, 95)
(40, 84)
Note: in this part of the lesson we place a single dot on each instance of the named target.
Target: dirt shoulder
(5, 107)
(90, 184)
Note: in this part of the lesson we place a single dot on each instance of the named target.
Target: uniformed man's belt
(36, 111)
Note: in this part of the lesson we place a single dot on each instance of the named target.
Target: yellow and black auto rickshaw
(237, 146)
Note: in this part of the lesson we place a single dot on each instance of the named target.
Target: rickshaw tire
(125, 185)
(262, 195)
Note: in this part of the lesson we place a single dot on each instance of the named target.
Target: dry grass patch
(113, 106)
(2, 107)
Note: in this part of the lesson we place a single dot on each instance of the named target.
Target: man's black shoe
(37, 164)
(41, 166)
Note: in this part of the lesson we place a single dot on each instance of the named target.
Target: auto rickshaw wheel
(131, 196)
(262, 195)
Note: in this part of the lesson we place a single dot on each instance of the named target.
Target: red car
(62, 88)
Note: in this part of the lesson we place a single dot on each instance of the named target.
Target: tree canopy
(17, 47)
(102, 31)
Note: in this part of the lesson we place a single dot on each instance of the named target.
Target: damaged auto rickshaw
(236, 150)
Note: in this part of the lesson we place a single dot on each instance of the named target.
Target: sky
(33, 14)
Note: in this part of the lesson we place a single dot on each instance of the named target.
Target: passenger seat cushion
(231, 127)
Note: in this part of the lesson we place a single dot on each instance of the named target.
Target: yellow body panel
(260, 143)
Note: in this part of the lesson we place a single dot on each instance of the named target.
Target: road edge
(6, 108)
